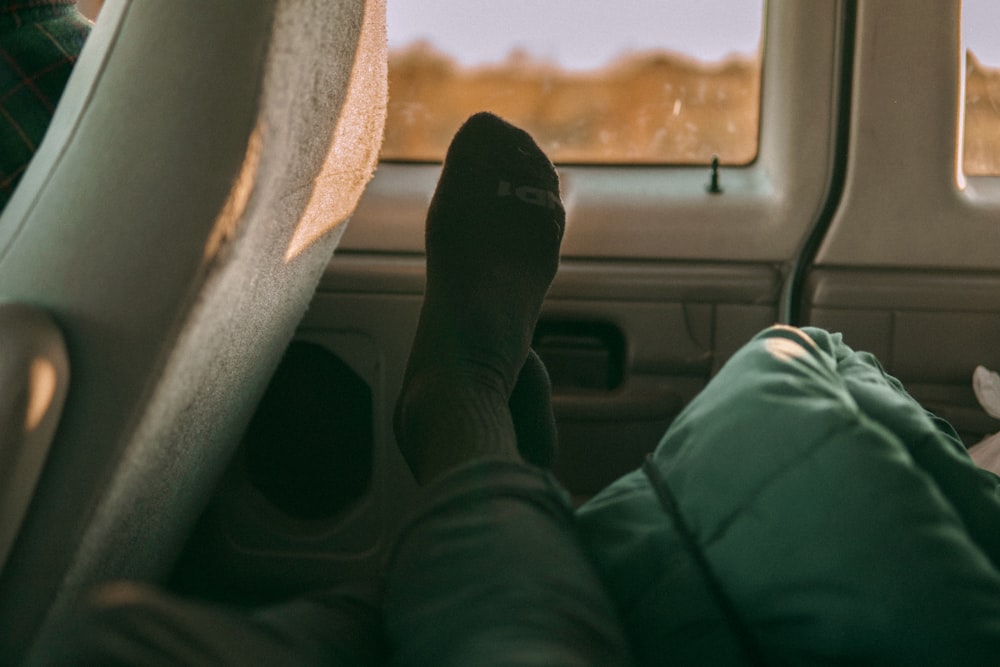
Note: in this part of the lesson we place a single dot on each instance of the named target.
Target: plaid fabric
(39, 42)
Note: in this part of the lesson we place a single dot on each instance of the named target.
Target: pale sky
(587, 33)
(578, 33)
(981, 29)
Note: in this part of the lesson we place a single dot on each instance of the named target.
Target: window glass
(90, 8)
(595, 81)
(981, 151)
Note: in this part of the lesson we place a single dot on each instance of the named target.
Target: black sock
(493, 233)
(531, 410)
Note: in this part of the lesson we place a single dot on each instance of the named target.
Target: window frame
(941, 218)
(765, 213)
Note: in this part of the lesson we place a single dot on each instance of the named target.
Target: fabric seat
(174, 223)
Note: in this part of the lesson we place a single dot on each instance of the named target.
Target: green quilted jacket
(803, 510)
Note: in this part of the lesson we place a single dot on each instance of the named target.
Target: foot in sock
(531, 410)
(493, 232)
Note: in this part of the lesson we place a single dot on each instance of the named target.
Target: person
(40, 41)
(802, 509)
(490, 570)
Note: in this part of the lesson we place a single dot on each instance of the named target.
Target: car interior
(205, 354)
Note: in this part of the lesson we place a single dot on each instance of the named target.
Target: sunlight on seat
(236, 203)
(42, 385)
(357, 138)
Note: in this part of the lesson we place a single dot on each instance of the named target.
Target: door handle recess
(639, 399)
(586, 364)
(581, 355)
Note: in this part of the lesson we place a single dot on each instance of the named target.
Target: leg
(132, 624)
(531, 409)
(933, 444)
(790, 514)
(489, 571)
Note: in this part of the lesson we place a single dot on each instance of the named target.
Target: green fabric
(490, 572)
(840, 522)
(39, 42)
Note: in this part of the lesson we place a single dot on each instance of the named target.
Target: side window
(759, 86)
(90, 8)
(981, 41)
(596, 82)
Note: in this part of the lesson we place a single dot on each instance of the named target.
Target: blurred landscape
(982, 118)
(642, 108)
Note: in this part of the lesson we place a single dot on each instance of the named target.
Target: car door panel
(909, 268)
